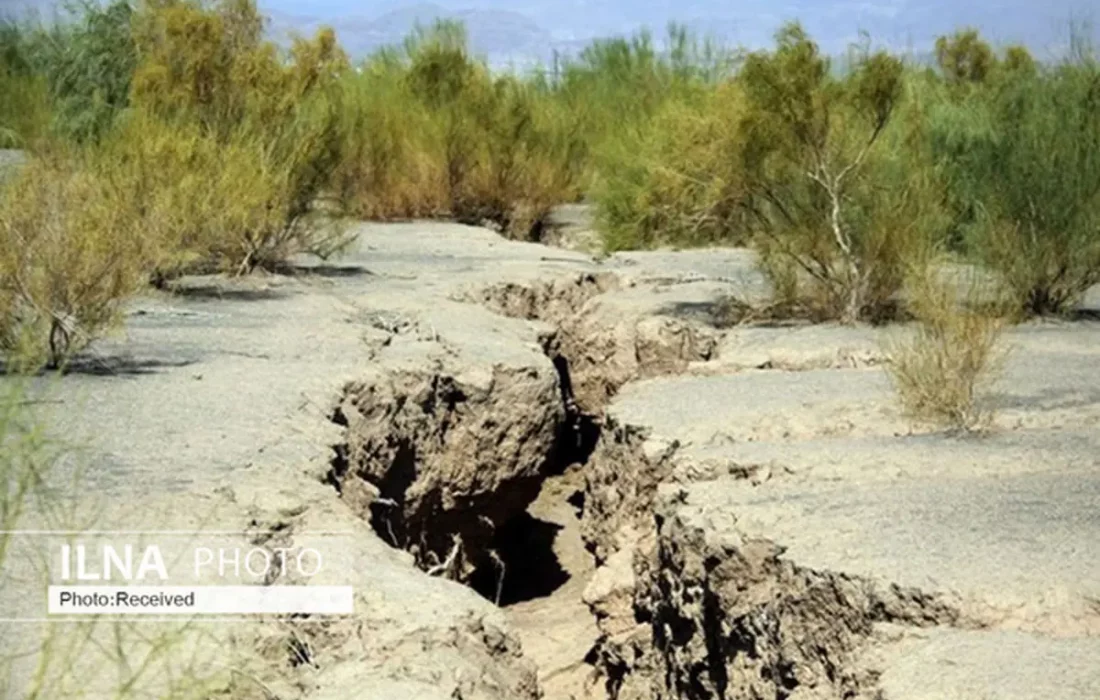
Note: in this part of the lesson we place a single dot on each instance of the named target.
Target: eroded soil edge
(447, 468)
(483, 482)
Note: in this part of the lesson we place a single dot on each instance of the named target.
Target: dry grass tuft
(943, 366)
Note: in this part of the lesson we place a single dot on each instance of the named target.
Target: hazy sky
(1007, 20)
(525, 26)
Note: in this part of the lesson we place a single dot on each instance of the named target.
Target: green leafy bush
(840, 208)
(25, 110)
(1024, 158)
(677, 180)
(615, 86)
(78, 71)
(89, 67)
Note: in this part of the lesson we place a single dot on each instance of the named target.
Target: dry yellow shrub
(69, 256)
(942, 367)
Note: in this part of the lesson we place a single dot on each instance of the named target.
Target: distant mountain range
(523, 32)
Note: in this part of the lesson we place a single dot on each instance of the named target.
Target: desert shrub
(78, 71)
(612, 87)
(958, 117)
(1018, 62)
(164, 177)
(88, 63)
(21, 471)
(523, 165)
(1024, 159)
(91, 657)
(210, 205)
(69, 256)
(941, 368)
(964, 57)
(205, 134)
(202, 62)
(210, 64)
(267, 195)
(25, 110)
(677, 179)
(658, 132)
(253, 135)
(840, 206)
(965, 60)
(456, 90)
(389, 165)
(428, 131)
(500, 161)
(615, 86)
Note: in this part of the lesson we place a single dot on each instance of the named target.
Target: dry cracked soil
(548, 476)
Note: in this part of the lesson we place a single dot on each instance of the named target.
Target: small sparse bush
(89, 658)
(68, 258)
(22, 472)
(942, 367)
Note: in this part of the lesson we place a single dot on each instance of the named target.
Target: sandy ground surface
(995, 532)
(756, 519)
(212, 412)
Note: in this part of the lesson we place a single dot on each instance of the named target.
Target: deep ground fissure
(537, 563)
(522, 564)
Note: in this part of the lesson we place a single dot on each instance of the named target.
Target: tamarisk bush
(261, 132)
(837, 211)
(68, 258)
(1022, 155)
(427, 130)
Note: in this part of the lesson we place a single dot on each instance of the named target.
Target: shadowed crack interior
(519, 562)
